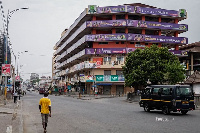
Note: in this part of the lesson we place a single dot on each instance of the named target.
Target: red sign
(6, 70)
(17, 78)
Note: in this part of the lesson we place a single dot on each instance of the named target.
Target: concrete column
(114, 17)
(143, 18)
(113, 31)
(176, 21)
(159, 19)
(126, 16)
(192, 69)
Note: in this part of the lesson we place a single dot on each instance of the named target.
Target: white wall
(196, 88)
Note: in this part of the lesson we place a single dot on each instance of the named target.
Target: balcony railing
(121, 23)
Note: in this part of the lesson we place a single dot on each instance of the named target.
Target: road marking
(9, 129)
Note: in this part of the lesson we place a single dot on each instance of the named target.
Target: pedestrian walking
(19, 93)
(15, 96)
(45, 109)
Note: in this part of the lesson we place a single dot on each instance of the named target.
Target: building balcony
(81, 31)
(87, 14)
(89, 52)
(125, 37)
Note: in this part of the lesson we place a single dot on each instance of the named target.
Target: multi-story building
(93, 50)
(34, 76)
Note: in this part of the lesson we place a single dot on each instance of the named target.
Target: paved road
(108, 115)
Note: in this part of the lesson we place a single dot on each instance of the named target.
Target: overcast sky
(37, 29)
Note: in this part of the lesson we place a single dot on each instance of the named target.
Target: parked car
(168, 98)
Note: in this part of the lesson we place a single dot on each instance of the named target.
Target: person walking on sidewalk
(15, 97)
(45, 109)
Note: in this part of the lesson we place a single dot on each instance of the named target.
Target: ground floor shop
(108, 89)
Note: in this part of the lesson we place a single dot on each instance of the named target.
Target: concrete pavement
(10, 116)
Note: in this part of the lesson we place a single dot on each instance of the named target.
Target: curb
(21, 127)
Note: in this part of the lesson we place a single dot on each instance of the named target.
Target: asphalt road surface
(108, 115)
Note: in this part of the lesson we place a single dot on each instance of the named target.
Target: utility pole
(6, 22)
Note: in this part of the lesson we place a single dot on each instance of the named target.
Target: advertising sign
(148, 24)
(106, 23)
(157, 39)
(153, 11)
(111, 9)
(17, 78)
(89, 51)
(110, 50)
(99, 78)
(182, 13)
(82, 77)
(114, 77)
(139, 10)
(106, 37)
(89, 78)
(6, 71)
(92, 9)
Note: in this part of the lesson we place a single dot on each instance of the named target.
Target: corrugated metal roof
(194, 78)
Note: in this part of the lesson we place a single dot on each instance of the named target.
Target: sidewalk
(90, 97)
(10, 118)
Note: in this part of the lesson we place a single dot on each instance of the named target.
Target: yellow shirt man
(45, 109)
(45, 103)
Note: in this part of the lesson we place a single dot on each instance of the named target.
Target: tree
(155, 64)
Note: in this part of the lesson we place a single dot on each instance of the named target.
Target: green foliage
(156, 64)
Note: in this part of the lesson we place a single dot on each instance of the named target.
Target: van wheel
(146, 107)
(184, 112)
(165, 110)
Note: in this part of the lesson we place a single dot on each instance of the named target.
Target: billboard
(6, 70)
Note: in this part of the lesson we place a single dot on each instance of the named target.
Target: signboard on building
(99, 78)
(111, 9)
(157, 39)
(82, 77)
(106, 37)
(92, 9)
(114, 77)
(6, 70)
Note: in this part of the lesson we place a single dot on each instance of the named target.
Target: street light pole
(6, 42)
(18, 61)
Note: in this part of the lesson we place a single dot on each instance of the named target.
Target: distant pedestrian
(15, 97)
(59, 91)
(83, 91)
(45, 109)
(19, 93)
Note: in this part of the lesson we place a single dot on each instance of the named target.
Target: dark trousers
(15, 99)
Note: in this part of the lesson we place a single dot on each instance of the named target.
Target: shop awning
(103, 83)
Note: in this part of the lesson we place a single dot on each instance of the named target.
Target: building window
(117, 42)
(120, 59)
(107, 72)
(107, 59)
(119, 72)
